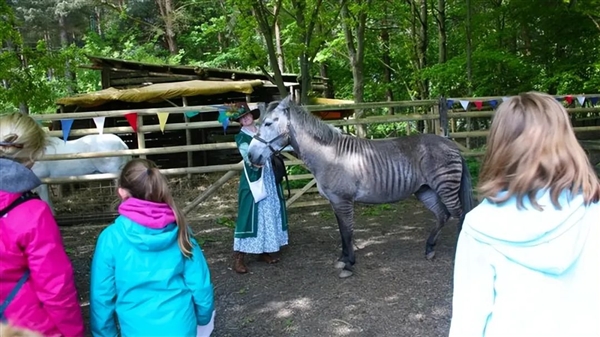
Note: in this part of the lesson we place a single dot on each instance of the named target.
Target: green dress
(260, 227)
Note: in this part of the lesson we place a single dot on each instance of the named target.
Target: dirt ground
(395, 291)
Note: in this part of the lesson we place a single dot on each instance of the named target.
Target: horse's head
(273, 134)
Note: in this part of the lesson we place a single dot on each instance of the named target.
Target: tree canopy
(372, 50)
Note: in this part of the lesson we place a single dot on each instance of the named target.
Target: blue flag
(66, 127)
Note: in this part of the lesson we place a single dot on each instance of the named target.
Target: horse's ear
(271, 106)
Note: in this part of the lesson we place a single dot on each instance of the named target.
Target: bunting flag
(465, 104)
(450, 103)
(560, 99)
(190, 114)
(162, 120)
(505, 98)
(493, 103)
(569, 99)
(581, 100)
(593, 100)
(478, 104)
(132, 119)
(99, 121)
(66, 125)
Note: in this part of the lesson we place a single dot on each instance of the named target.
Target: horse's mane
(319, 130)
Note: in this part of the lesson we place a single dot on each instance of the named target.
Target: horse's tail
(465, 192)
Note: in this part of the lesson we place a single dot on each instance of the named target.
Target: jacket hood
(548, 241)
(16, 178)
(148, 225)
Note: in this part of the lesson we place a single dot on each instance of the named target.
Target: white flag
(99, 121)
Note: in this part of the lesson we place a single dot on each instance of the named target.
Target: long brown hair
(143, 180)
(532, 146)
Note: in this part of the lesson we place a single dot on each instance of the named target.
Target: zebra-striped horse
(349, 169)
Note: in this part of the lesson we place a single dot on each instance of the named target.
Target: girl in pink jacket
(37, 287)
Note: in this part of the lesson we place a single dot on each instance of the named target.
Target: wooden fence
(434, 114)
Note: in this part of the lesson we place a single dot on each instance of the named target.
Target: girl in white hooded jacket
(528, 256)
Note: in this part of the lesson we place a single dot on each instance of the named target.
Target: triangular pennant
(478, 104)
(450, 102)
(569, 99)
(132, 119)
(66, 125)
(465, 104)
(99, 121)
(593, 100)
(505, 98)
(581, 100)
(493, 103)
(162, 120)
(190, 114)
(225, 125)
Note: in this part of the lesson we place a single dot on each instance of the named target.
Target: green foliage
(376, 210)
(474, 165)
(295, 170)
(226, 221)
(517, 46)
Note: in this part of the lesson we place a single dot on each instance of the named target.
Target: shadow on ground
(395, 291)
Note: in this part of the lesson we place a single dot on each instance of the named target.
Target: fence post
(443, 109)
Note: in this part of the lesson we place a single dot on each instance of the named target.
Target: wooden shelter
(130, 85)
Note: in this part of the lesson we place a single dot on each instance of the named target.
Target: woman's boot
(238, 263)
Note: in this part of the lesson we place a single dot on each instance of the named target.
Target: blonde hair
(532, 146)
(143, 180)
(7, 330)
(21, 138)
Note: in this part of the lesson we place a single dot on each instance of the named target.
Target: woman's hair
(143, 180)
(21, 138)
(7, 330)
(532, 146)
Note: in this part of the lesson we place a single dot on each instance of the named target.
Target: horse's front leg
(344, 214)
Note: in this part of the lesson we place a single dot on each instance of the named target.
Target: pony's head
(273, 134)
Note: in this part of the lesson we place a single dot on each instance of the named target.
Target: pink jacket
(48, 301)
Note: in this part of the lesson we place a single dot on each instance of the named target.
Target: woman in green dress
(261, 226)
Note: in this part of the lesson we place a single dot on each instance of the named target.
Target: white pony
(76, 167)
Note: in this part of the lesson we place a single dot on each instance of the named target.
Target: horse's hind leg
(344, 213)
(432, 201)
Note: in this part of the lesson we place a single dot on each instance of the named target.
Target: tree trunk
(13, 46)
(306, 32)
(260, 13)
(443, 37)
(356, 50)
(423, 42)
(387, 71)
(98, 18)
(166, 12)
(324, 72)
(280, 59)
(469, 65)
(64, 43)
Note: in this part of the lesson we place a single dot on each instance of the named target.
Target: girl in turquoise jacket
(147, 269)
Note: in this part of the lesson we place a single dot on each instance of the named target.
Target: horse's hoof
(345, 273)
(429, 256)
(339, 264)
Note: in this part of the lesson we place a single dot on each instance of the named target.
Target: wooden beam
(300, 193)
(210, 190)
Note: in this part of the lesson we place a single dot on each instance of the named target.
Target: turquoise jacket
(140, 274)
(524, 272)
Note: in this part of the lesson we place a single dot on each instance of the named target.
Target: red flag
(569, 99)
(132, 119)
(478, 104)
